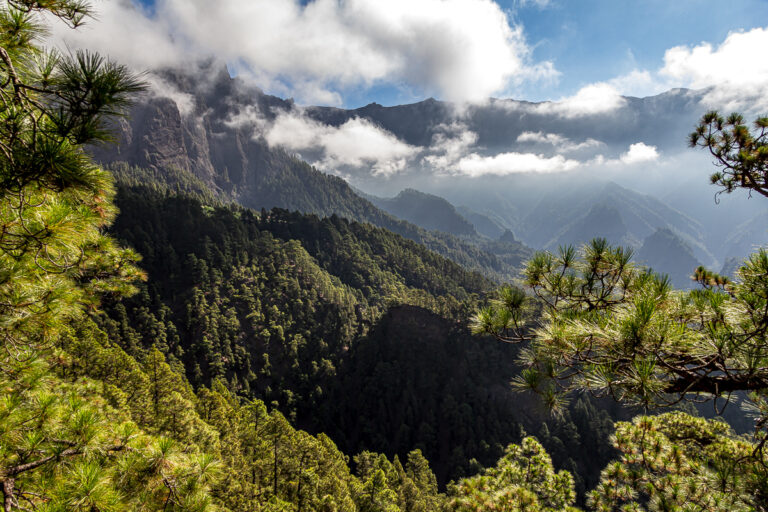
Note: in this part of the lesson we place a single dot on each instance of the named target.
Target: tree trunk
(7, 494)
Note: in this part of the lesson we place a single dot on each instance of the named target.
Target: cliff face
(212, 137)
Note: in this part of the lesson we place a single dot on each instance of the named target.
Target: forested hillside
(340, 325)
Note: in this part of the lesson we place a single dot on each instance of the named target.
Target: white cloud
(247, 116)
(735, 72)
(593, 99)
(736, 69)
(160, 88)
(541, 4)
(559, 143)
(502, 164)
(356, 143)
(449, 144)
(639, 152)
(639, 83)
(125, 33)
(463, 50)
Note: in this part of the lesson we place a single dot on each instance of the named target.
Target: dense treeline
(249, 458)
(308, 313)
(328, 196)
(421, 381)
(236, 295)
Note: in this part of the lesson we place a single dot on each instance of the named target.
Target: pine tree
(522, 480)
(54, 202)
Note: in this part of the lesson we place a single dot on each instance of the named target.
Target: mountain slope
(575, 216)
(743, 239)
(499, 122)
(426, 210)
(483, 224)
(667, 253)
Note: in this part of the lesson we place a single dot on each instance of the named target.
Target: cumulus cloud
(463, 50)
(559, 143)
(639, 152)
(503, 164)
(356, 143)
(593, 99)
(737, 69)
(734, 73)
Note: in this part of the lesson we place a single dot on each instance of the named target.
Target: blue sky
(353, 52)
(596, 40)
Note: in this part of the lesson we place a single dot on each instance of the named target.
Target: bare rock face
(152, 136)
(201, 138)
(203, 125)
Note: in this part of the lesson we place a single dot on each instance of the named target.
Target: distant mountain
(483, 224)
(622, 216)
(667, 253)
(726, 217)
(499, 122)
(224, 155)
(746, 237)
(603, 220)
(426, 210)
(203, 132)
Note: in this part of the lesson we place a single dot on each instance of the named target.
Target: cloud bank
(558, 143)
(461, 50)
(356, 143)
(504, 164)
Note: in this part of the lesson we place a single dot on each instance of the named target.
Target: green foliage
(309, 313)
(54, 203)
(269, 302)
(263, 462)
(522, 480)
(612, 328)
(678, 462)
(62, 447)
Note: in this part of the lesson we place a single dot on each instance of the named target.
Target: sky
(597, 40)
(353, 52)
